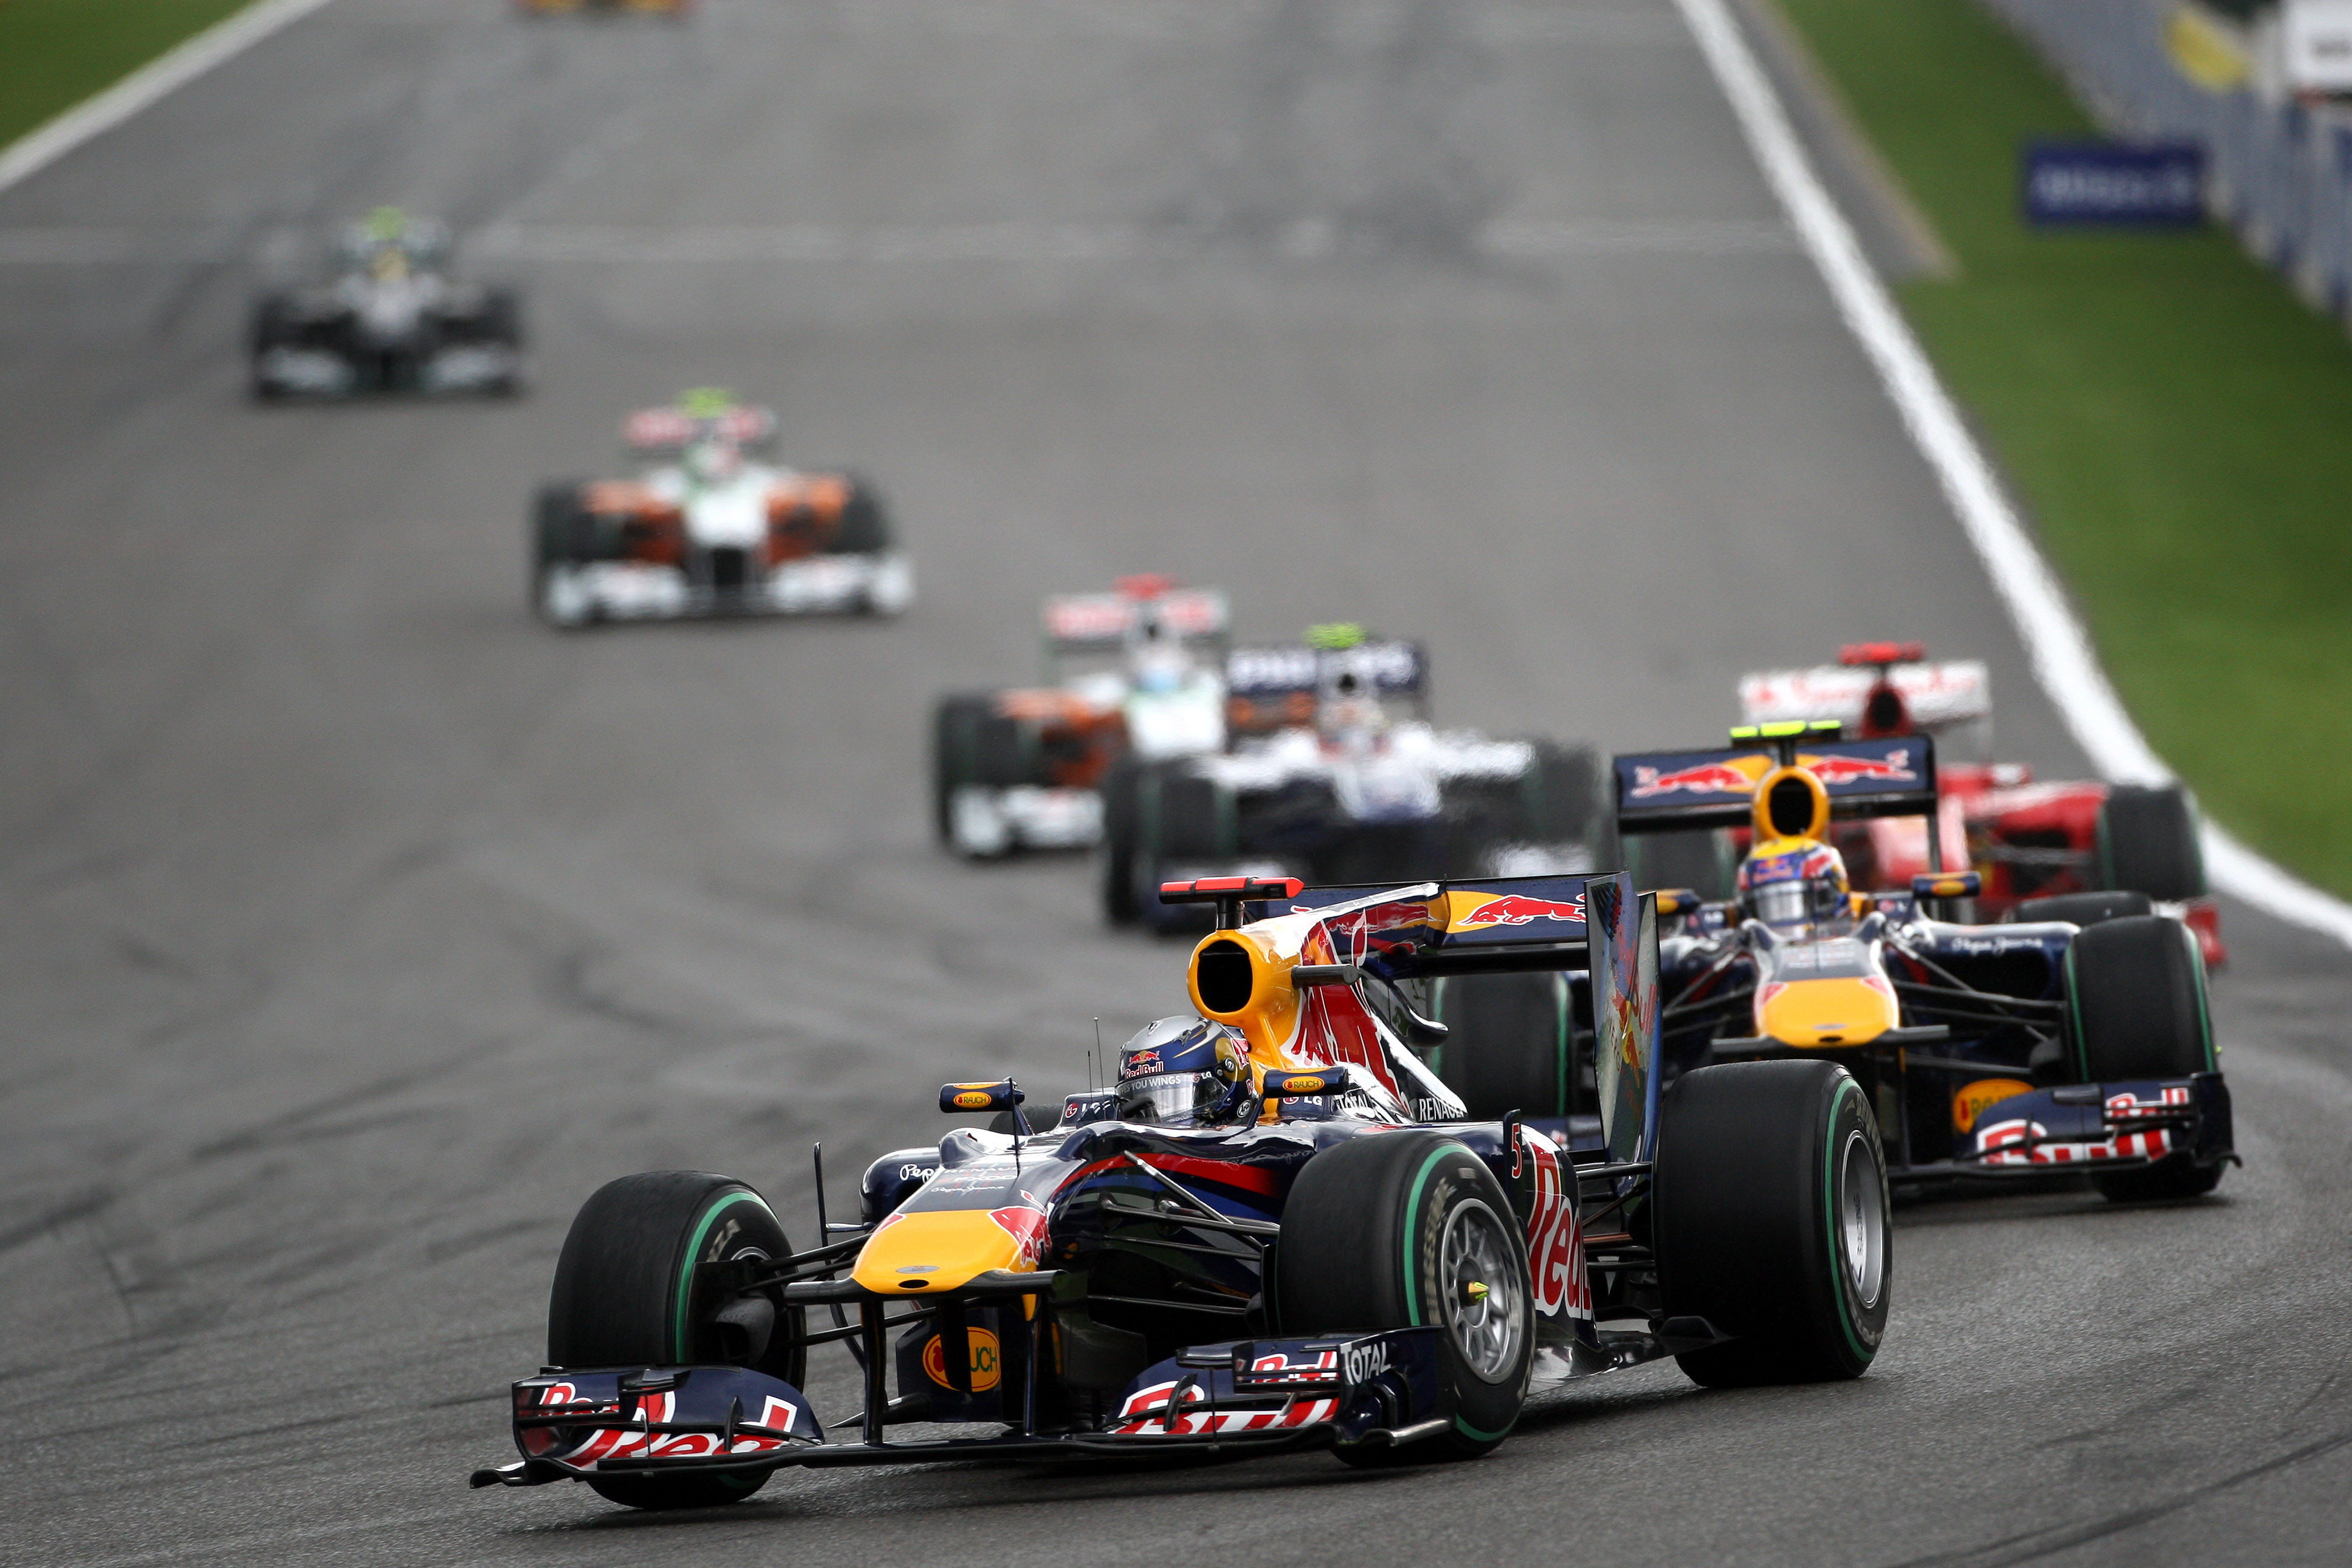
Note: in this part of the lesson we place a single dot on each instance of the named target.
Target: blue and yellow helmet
(1788, 881)
(1182, 1070)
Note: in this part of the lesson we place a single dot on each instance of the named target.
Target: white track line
(2055, 641)
(44, 146)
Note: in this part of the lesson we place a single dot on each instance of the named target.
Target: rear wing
(1501, 924)
(1269, 688)
(1663, 791)
(659, 432)
(1935, 696)
(1081, 623)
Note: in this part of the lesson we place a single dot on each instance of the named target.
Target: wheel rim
(1862, 1219)
(1484, 1310)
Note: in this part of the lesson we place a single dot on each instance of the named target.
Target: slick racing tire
(563, 533)
(1121, 822)
(2147, 842)
(2137, 1008)
(956, 725)
(626, 1295)
(1386, 1232)
(1703, 862)
(1772, 1220)
(1560, 794)
(865, 523)
(1511, 1045)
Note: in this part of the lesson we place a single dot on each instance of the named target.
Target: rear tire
(2147, 842)
(1121, 814)
(626, 1295)
(1772, 1220)
(1381, 1232)
(1510, 1047)
(865, 522)
(2137, 1008)
(955, 749)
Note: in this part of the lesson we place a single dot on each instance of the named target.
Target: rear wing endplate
(1503, 924)
(1661, 791)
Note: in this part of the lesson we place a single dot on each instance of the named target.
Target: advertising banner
(2156, 185)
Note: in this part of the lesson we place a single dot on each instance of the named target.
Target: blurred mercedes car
(392, 320)
(711, 524)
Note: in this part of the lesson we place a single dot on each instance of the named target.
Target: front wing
(1357, 1391)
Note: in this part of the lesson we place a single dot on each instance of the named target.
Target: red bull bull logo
(1706, 778)
(1835, 771)
(1511, 910)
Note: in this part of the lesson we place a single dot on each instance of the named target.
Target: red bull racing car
(1278, 1231)
(2046, 850)
(710, 524)
(2046, 1042)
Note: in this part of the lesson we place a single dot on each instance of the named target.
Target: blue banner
(2156, 185)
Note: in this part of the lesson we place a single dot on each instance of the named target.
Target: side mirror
(1299, 1084)
(1949, 885)
(1678, 900)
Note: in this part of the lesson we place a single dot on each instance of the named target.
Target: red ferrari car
(2080, 850)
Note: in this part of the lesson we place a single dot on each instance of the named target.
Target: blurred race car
(2043, 851)
(2072, 1042)
(392, 321)
(711, 525)
(1276, 1231)
(1335, 775)
(1138, 671)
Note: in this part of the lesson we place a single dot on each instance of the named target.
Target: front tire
(627, 1294)
(1772, 1220)
(2137, 1008)
(1388, 1232)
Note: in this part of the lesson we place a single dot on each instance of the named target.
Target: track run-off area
(353, 927)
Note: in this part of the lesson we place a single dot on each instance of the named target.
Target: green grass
(55, 53)
(2178, 424)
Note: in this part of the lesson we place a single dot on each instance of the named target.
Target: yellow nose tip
(1476, 1290)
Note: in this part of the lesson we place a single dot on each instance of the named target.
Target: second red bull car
(1278, 1231)
(2023, 1048)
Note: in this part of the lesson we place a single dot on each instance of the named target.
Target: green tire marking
(2204, 1010)
(1477, 1436)
(2075, 1012)
(1829, 1214)
(679, 1346)
(1411, 1221)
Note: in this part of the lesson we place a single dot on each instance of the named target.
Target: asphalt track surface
(353, 927)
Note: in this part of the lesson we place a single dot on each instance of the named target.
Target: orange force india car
(711, 525)
(2048, 850)
(2034, 1046)
(1275, 1230)
(1135, 672)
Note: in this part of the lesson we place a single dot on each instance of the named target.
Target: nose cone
(914, 1254)
(1828, 1012)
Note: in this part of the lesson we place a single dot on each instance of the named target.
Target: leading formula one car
(712, 525)
(2043, 850)
(392, 321)
(1335, 775)
(2016, 1048)
(1135, 672)
(1277, 1232)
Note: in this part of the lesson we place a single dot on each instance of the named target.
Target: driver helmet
(1349, 710)
(1182, 1071)
(1156, 661)
(1792, 881)
(713, 461)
